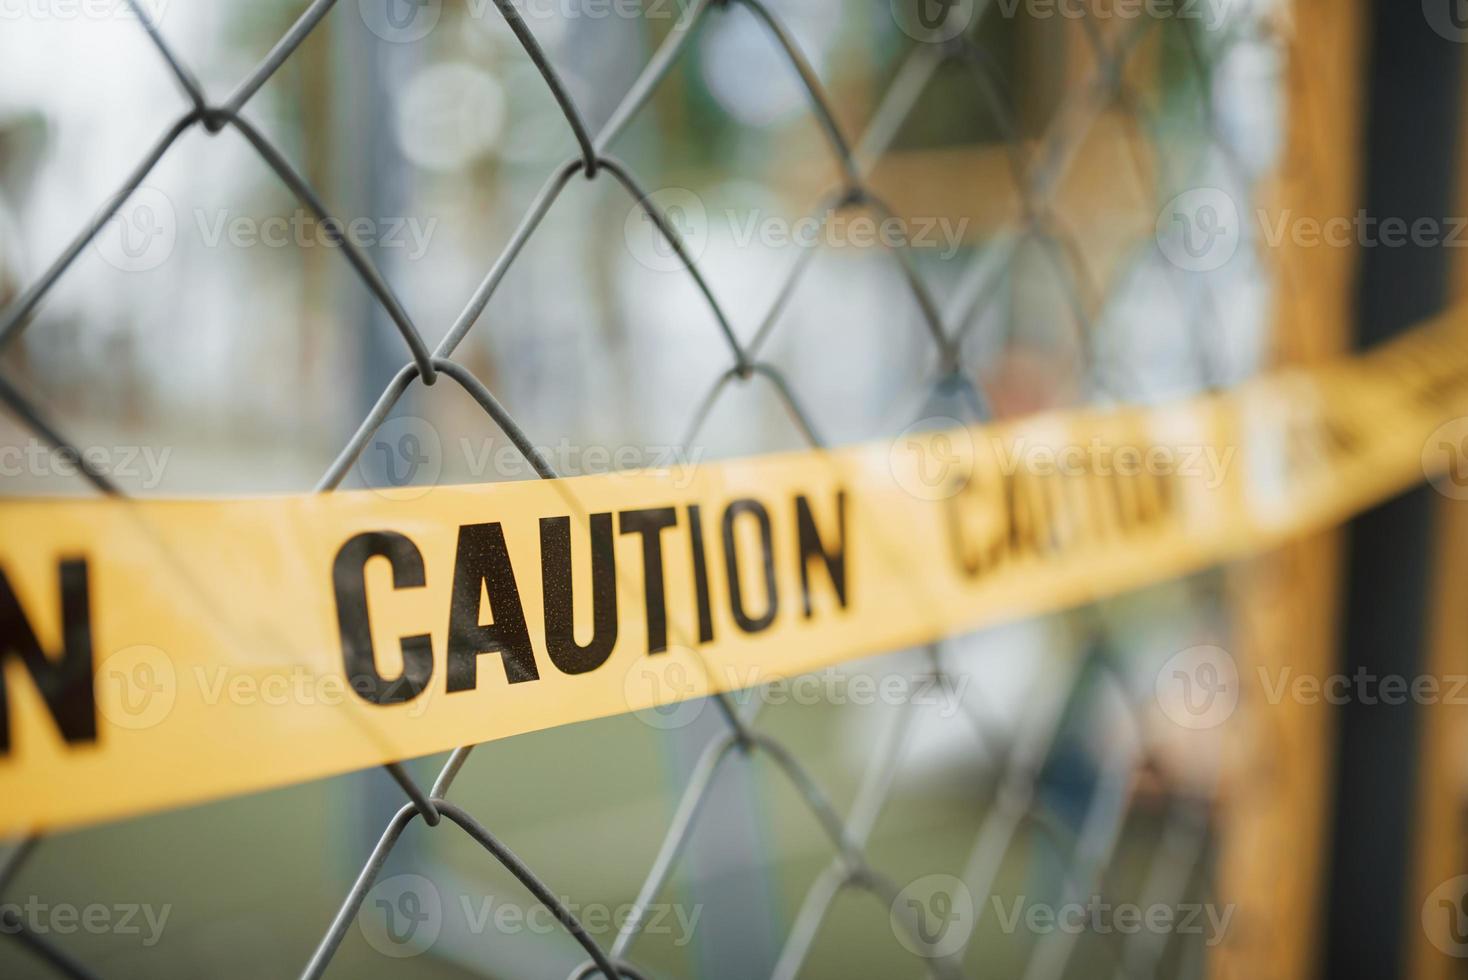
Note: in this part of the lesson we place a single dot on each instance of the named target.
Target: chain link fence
(1112, 264)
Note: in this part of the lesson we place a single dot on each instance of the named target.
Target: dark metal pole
(1413, 116)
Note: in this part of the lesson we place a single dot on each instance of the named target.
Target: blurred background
(1041, 165)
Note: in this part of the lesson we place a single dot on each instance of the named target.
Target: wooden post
(1274, 820)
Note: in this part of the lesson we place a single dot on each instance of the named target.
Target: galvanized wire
(1019, 756)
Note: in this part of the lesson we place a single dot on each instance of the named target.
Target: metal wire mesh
(1178, 863)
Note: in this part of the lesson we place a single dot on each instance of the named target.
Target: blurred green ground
(253, 883)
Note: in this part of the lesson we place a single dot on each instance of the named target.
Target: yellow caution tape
(164, 652)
